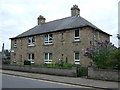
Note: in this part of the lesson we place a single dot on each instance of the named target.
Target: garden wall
(44, 70)
(103, 74)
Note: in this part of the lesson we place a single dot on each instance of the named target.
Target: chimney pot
(75, 10)
(41, 20)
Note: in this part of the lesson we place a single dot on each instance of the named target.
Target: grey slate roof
(58, 25)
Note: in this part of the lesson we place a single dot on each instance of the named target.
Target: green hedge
(82, 71)
(26, 62)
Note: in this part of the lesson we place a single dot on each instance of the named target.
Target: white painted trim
(48, 41)
(47, 61)
(77, 38)
(77, 59)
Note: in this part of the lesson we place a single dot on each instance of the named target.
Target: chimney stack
(41, 20)
(75, 10)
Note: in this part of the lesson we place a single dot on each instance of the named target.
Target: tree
(104, 55)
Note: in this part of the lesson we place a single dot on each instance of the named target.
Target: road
(10, 81)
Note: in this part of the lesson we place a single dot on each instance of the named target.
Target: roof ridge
(58, 19)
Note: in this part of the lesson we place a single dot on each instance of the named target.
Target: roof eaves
(99, 30)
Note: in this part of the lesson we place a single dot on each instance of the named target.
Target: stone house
(63, 39)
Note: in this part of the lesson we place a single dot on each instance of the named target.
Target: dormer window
(76, 35)
(31, 41)
(15, 43)
(48, 39)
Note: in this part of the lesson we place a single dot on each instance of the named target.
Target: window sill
(77, 63)
(12, 51)
(76, 41)
(14, 61)
(48, 44)
(47, 62)
(32, 62)
(31, 45)
(15, 46)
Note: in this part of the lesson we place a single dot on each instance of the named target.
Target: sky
(18, 16)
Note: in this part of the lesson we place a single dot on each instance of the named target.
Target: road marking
(47, 81)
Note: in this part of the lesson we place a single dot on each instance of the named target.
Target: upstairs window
(47, 58)
(76, 35)
(95, 36)
(15, 43)
(31, 41)
(77, 57)
(48, 39)
(31, 57)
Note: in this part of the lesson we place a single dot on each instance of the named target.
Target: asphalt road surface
(10, 81)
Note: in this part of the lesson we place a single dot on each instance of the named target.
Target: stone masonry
(61, 47)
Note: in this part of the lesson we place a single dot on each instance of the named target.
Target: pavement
(98, 84)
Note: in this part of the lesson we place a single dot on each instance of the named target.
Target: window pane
(32, 56)
(50, 36)
(46, 56)
(76, 33)
(46, 38)
(33, 39)
(50, 56)
(76, 56)
(29, 40)
(29, 56)
(15, 41)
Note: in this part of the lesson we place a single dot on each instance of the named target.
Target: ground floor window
(31, 57)
(47, 58)
(14, 57)
(77, 57)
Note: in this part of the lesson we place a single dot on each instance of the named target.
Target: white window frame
(14, 57)
(48, 39)
(76, 61)
(15, 43)
(95, 36)
(48, 60)
(31, 59)
(76, 38)
(32, 41)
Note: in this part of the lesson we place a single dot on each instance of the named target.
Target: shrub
(114, 62)
(103, 55)
(26, 62)
(82, 71)
(6, 62)
(52, 64)
(68, 65)
(59, 65)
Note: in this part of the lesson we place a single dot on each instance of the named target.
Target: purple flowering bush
(104, 55)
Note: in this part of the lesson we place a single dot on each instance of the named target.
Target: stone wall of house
(63, 46)
(103, 74)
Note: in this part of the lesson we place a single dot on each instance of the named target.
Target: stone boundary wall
(43, 70)
(103, 74)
